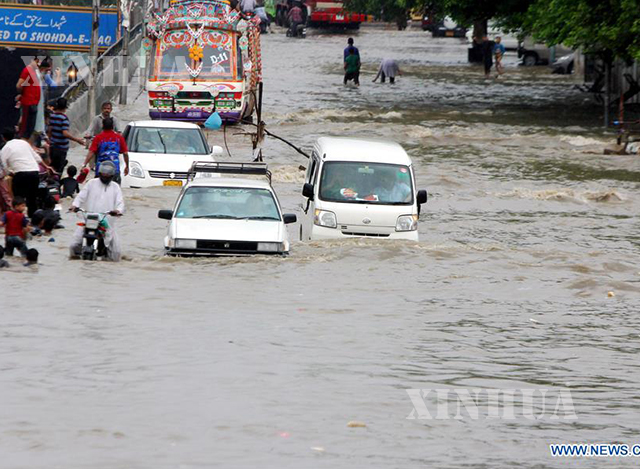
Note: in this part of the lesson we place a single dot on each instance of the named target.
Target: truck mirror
(307, 191)
(165, 214)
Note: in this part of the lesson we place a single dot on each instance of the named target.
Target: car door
(308, 205)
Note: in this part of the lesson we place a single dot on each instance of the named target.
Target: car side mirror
(165, 214)
(215, 150)
(422, 197)
(307, 191)
(289, 218)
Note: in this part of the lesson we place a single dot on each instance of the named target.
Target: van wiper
(230, 217)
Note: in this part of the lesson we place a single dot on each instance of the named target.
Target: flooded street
(157, 362)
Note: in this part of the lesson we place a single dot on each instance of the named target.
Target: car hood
(167, 162)
(228, 230)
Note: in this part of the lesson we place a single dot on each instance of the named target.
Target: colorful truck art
(205, 58)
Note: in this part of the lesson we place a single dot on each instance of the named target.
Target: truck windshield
(232, 203)
(366, 183)
(166, 140)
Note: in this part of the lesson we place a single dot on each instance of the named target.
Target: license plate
(172, 182)
(339, 17)
(449, 33)
(196, 114)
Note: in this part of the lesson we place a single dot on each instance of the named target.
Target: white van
(360, 188)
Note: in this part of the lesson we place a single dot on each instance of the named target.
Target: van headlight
(136, 170)
(326, 219)
(185, 243)
(407, 223)
(270, 247)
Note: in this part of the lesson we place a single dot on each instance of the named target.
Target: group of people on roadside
(30, 159)
(388, 67)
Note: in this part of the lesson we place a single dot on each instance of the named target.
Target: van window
(366, 183)
(313, 164)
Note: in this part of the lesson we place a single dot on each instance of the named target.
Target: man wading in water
(352, 68)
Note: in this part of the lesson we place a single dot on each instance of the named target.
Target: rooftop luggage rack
(247, 169)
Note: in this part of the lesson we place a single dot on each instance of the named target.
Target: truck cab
(360, 188)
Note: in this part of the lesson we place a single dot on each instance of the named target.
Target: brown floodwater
(157, 362)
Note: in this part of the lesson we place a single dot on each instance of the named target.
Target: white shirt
(17, 156)
(248, 5)
(97, 197)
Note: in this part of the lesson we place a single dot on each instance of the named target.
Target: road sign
(54, 27)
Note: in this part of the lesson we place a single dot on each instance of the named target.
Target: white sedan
(162, 152)
(226, 215)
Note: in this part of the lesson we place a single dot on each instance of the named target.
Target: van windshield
(167, 140)
(366, 183)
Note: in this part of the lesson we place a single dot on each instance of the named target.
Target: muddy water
(172, 363)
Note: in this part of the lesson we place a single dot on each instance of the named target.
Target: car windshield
(371, 183)
(164, 140)
(228, 202)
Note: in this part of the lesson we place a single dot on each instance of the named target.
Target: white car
(227, 215)
(360, 188)
(162, 152)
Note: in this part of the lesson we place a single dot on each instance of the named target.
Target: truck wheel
(530, 59)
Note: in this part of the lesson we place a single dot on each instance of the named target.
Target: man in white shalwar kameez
(100, 195)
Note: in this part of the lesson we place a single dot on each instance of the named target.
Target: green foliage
(608, 27)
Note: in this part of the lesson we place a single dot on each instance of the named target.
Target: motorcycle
(301, 31)
(93, 237)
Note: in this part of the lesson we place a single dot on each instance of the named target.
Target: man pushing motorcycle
(100, 196)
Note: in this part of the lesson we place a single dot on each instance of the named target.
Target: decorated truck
(205, 57)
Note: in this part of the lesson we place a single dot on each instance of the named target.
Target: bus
(205, 57)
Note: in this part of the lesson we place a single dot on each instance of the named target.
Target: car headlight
(136, 170)
(407, 223)
(185, 243)
(326, 219)
(270, 247)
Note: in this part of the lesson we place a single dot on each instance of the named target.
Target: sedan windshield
(371, 183)
(228, 202)
(162, 140)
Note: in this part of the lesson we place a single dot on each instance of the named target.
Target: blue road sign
(54, 27)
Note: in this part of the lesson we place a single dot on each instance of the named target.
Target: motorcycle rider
(100, 195)
(295, 18)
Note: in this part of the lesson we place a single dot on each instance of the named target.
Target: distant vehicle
(533, 53)
(360, 188)
(564, 65)
(227, 215)
(448, 28)
(320, 14)
(162, 152)
(428, 21)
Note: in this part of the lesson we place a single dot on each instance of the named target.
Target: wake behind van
(360, 188)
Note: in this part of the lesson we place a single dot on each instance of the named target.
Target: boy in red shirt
(16, 226)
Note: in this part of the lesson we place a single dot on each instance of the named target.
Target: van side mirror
(307, 191)
(422, 197)
(165, 214)
(289, 218)
(216, 150)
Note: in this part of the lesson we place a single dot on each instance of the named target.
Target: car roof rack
(247, 169)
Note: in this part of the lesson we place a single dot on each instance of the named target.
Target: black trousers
(58, 159)
(28, 120)
(355, 76)
(25, 184)
(383, 77)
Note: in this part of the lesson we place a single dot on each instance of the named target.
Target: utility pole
(95, 36)
(124, 73)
